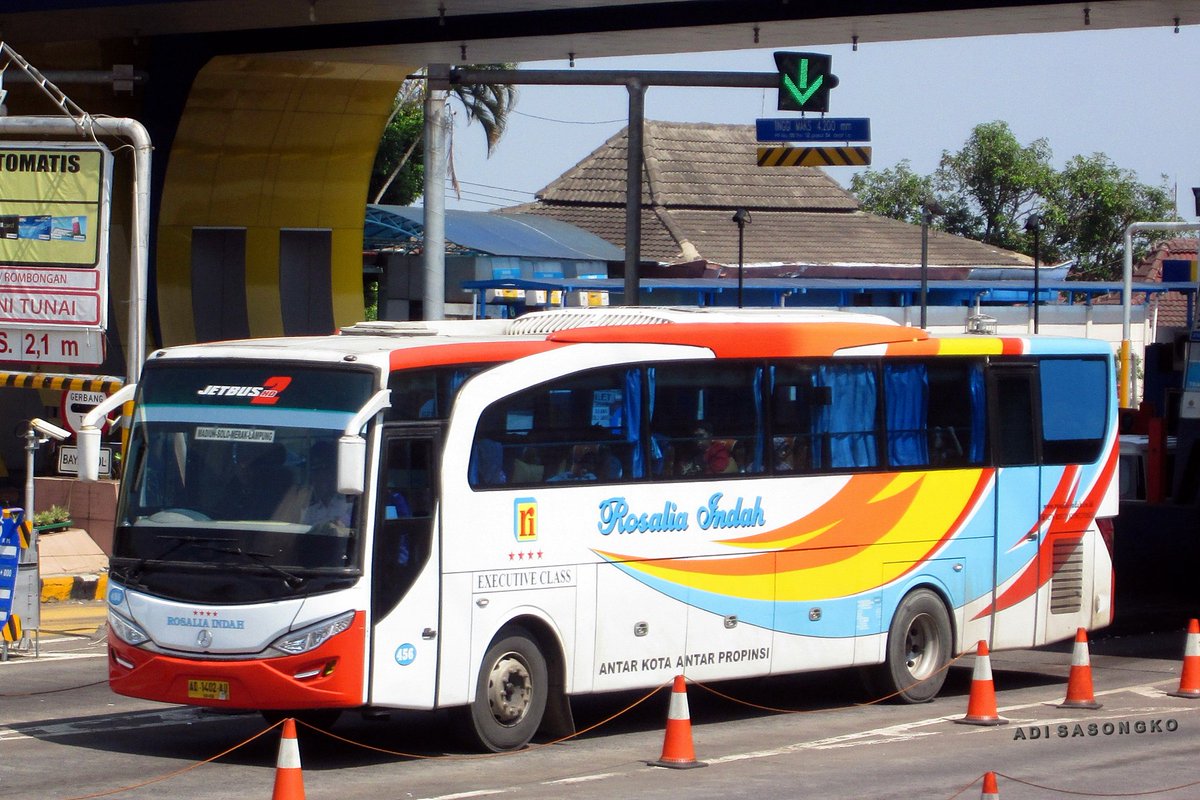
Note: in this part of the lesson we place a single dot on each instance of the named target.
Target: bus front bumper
(329, 676)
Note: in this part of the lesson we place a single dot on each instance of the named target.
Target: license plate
(208, 690)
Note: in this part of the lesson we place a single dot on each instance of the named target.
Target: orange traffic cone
(990, 790)
(1189, 680)
(289, 779)
(677, 752)
(981, 705)
(1079, 682)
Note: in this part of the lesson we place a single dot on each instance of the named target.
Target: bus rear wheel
(510, 694)
(918, 648)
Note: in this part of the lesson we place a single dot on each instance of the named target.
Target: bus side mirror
(352, 447)
(351, 464)
(88, 438)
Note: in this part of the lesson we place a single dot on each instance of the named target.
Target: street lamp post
(929, 209)
(1034, 226)
(742, 218)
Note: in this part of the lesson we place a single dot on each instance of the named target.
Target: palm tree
(489, 103)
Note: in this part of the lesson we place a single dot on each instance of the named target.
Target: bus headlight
(126, 630)
(313, 636)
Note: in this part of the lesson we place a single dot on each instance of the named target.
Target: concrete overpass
(266, 113)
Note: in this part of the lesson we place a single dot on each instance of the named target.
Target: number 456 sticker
(406, 654)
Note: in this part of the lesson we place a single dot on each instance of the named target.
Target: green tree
(896, 192)
(993, 183)
(989, 189)
(397, 176)
(1091, 204)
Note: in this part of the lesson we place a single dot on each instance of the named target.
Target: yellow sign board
(51, 201)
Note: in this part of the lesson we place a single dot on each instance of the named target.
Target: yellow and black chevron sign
(814, 156)
(38, 380)
(12, 629)
(24, 532)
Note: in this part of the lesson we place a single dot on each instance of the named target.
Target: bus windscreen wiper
(133, 572)
(292, 580)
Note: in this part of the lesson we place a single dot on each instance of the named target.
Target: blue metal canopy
(834, 292)
(486, 233)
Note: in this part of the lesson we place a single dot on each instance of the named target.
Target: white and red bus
(498, 515)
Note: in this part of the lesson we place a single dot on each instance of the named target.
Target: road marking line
(584, 778)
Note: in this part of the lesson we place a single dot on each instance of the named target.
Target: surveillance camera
(47, 429)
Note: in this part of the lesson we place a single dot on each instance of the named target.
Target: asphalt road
(64, 735)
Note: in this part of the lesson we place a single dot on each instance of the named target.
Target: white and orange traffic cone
(981, 705)
(990, 790)
(1189, 679)
(289, 778)
(1079, 681)
(678, 752)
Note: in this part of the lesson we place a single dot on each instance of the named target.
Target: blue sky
(1133, 95)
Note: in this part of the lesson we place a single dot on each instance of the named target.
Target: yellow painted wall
(266, 144)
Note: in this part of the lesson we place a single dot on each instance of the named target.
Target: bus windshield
(231, 471)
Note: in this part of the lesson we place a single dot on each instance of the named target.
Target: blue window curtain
(657, 456)
(906, 387)
(848, 421)
(757, 455)
(975, 450)
(633, 418)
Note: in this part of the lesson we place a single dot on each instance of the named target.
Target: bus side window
(1013, 414)
(1074, 409)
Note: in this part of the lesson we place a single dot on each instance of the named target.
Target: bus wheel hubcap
(921, 647)
(509, 689)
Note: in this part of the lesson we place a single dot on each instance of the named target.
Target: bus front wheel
(918, 649)
(510, 693)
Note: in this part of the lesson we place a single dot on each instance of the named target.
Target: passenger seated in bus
(581, 468)
(782, 446)
(487, 463)
(528, 466)
(258, 482)
(610, 466)
(944, 448)
(710, 456)
(325, 506)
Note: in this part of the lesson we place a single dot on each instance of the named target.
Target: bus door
(1014, 414)
(405, 584)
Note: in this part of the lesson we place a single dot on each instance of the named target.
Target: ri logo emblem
(525, 519)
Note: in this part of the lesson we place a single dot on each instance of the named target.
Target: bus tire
(919, 646)
(510, 693)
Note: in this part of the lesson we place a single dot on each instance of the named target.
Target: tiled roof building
(696, 174)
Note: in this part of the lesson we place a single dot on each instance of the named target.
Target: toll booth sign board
(55, 202)
(10, 553)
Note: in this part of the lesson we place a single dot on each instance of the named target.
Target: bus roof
(727, 332)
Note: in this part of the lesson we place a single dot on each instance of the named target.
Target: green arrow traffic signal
(804, 81)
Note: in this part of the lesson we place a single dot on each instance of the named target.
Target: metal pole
(633, 189)
(614, 77)
(741, 261)
(434, 255)
(742, 218)
(1037, 295)
(926, 218)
